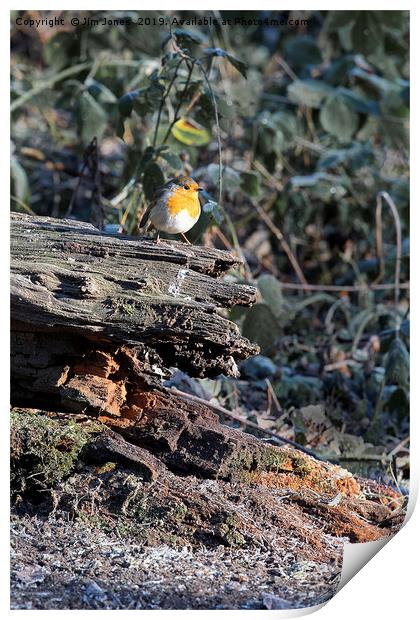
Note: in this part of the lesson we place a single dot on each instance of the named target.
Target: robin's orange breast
(184, 201)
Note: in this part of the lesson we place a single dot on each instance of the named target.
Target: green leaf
(196, 36)
(250, 183)
(298, 388)
(359, 103)
(270, 139)
(367, 35)
(154, 92)
(173, 160)
(299, 426)
(239, 65)
(161, 149)
(310, 93)
(190, 132)
(93, 119)
(339, 19)
(356, 156)
(212, 208)
(101, 92)
(120, 130)
(309, 180)
(20, 184)
(336, 73)
(261, 326)
(397, 369)
(225, 109)
(326, 187)
(165, 39)
(287, 123)
(142, 100)
(231, 178)
(272, 293)
(379, 83)
(392, 19)
(338, 119)
(153, 178)
(215, 51)
(57, 51)
(398, 402)
(394, 132)
(301, 51)
(187, 38)
(147, 157)
(125, 103)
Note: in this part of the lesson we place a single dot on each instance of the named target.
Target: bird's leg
(185, 238)
(158, 237)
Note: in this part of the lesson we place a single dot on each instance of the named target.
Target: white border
(386, 587)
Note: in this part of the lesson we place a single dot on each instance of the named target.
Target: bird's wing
(158, 194)
(163, 188)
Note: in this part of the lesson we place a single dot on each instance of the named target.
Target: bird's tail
(145, 217)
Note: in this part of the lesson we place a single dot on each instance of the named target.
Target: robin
(175, 207)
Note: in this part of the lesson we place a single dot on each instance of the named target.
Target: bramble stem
(181, 99)
(162, 103)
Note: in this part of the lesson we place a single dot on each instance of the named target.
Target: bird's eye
(186, 187)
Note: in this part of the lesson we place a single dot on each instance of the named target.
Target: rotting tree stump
(97, 321)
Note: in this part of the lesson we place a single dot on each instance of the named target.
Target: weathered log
(116, 385)
(55, 451)
(97, 320)
(67, 277)
(91, 509)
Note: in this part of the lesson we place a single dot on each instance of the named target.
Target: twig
(23, 205)
(271, 178)
(273, 396)
(286, 248)
(181, 100)
(227, 217)
(341, 364)
(222, 411)
(382, 458)
(285, 66)
(343, 289)
(48, 83)
(162, 103)
(340, 304)
(367, 317)
(385, 196)
(76, 189)
(91, 163)
(17, 103)
(219, 141)
(95, 67)
(223, 239)
(398, 447)
(122, 195)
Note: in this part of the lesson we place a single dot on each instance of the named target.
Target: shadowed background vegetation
(299, 134)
